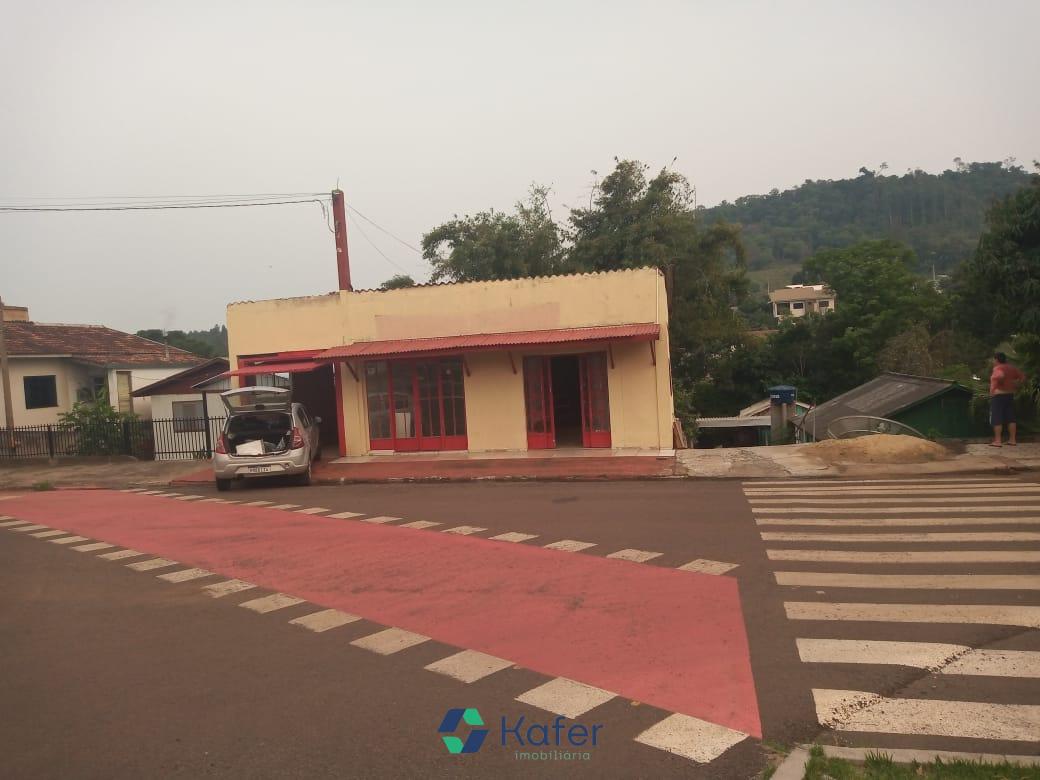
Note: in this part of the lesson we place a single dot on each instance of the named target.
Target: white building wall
(187, 445)
(69, 379)
(139, 378)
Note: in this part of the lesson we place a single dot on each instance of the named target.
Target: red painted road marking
(668, 638)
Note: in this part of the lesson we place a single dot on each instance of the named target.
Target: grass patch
(40, 486)
(881, 767)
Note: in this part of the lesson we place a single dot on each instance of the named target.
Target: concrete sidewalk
(463, 469)
(790, 461)
(796, 460)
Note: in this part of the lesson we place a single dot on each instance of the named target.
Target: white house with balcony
(797, 300)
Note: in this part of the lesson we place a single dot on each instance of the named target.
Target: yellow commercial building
(537, 363)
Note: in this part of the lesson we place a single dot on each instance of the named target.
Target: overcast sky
(422, 110)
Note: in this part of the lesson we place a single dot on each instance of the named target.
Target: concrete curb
(793, 767)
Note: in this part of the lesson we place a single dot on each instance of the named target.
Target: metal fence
(164, 439)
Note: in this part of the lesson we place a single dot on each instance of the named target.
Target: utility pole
(5, 379)
(339, 218)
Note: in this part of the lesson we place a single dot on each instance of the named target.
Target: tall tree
(998, 290)
(634, 222)
(495, 245)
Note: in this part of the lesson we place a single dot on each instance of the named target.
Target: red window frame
(403, 376)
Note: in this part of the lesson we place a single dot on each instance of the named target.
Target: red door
(595, 404)
(541, 430)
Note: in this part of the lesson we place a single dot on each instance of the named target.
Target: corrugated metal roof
(733, 422)
(481, 341)
(420, 285)
(882, 396)
(185, 382)
(299, 366)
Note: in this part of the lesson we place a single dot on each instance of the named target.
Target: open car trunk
(259, 433)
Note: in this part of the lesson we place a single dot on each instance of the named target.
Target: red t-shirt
(1005, 379)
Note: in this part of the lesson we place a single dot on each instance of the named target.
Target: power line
(163, 198)
(158, 207)
(396, 265)
(380, 227)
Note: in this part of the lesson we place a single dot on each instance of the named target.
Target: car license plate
(260, 469)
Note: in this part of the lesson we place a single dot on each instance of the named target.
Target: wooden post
(5, 380)
(339, 217)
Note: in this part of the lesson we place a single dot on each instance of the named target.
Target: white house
(797, 300)
(53, 366)
(187, 411)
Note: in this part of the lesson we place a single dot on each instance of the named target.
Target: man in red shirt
(1003, 383)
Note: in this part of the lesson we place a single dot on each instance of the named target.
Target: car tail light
(221, 446)
(297, 439)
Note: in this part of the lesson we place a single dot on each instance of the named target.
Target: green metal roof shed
(938, 408)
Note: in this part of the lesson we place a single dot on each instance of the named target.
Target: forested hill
(939, 216)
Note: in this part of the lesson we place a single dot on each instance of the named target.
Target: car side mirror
(317, 421)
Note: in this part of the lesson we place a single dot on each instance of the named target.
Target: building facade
(797, 300)
(525, 364)
(53, 366)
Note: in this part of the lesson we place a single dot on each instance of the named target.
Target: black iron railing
(162, 439)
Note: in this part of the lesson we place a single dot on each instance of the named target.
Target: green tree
(99, 429)
(197, 342)
(397, 282)
(495, 245)
(634, 222)
(998, 290)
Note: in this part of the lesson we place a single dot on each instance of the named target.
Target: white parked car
(265, 435)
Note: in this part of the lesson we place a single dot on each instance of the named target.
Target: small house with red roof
(52, 366)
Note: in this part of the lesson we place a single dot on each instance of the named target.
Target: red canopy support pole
(341, 425)
(339, 216)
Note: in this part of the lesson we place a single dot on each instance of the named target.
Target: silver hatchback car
(265, 435)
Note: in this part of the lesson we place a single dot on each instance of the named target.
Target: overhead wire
(395, 264)
(380, 227)
(159, 206)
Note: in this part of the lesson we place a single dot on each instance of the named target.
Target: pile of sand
(878, 448)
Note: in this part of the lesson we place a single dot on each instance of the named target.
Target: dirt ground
(92, 472)
(879, 448)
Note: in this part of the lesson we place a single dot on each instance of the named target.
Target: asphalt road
(115, 672)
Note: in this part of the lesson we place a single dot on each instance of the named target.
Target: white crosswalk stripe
(570, 545)
(868, 712)
(68, 540)
(513, 536)
(390, 641)
(565, 697)
(636, 556)
(887, 522)
(814, 579)
(185, 575)
(325, 620)
(226, 588)
(907, 556)
(692, 738)
(898, 524)
(938, 657)
(704, 566)
(924, 536)
(469, 666)
(270, 603)
(873, 510)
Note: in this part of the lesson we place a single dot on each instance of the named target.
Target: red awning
(485, 341)
(276, 368)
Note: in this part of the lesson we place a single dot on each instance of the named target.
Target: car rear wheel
(304, 479)
(223, 484)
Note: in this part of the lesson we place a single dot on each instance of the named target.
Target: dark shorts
(1002, 409)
